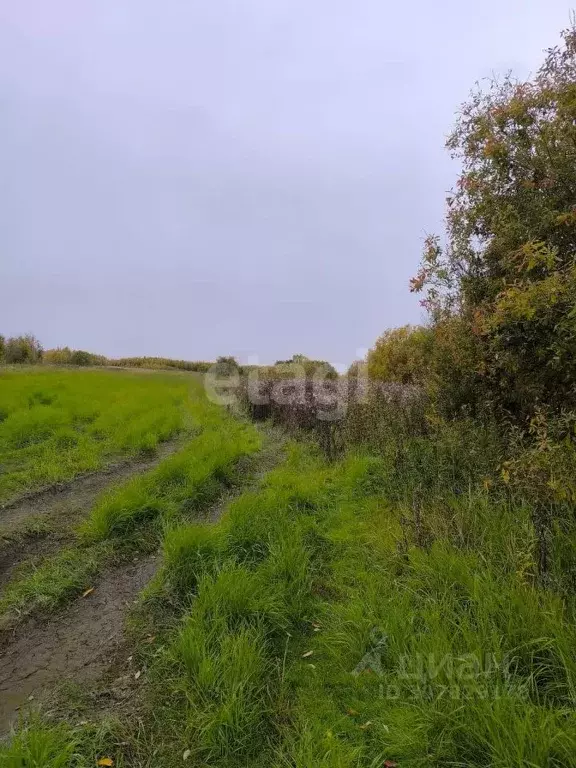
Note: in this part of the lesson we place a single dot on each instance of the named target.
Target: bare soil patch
(77, 643)
(85, 642)
(27, 552)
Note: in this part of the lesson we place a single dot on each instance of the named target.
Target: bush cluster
(20, 349)
(496, 362)
(298, 367)
(67, 356)
(495, 365)
(501, 287)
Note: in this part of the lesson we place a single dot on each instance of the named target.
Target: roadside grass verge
(131, 518)
(56, 424)
(317, 633)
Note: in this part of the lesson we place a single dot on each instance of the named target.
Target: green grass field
(131, 518)
(55, 424)
(310, 626)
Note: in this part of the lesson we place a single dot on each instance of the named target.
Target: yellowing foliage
(401, 355)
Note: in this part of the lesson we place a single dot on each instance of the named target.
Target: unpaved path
(77, 643)
(81, 640)
(78, 492)
(41, 523)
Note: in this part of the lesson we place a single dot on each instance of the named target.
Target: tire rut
(40, 524)
(82, 640)
(77, 643)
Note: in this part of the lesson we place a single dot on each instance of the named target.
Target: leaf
(105, 761)
(137, 674)
(352, 712)
(186, 755)
(307, 654)
(390, 764)
(366, 725)
(88, 592)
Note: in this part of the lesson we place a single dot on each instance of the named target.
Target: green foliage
(401, 355)
(406, 557)
(502, 290)
(58, 356)
(135, 514)
(304, 578)
(357, 369)
(508, 269)
(63, 576)
(159, 362)
(190, 552)
(67, 356)
(21, 349)
(81, 357)
(27, 349)
(225, 366)
(38, 746)
(298, 367)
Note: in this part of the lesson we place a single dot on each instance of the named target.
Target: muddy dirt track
(41, 523)
(81, 640)
(78, 642)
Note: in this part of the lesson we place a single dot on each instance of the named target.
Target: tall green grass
(185, 482)
(133, 516)
(323, 625)
(304, 580)
(55, 424)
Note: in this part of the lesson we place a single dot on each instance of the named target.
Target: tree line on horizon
(26, 349)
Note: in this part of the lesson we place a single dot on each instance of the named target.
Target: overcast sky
(190, 178)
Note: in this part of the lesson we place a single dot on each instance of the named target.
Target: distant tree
(226, 366)
(298, 366)
(2, 348)
(156, 362)
(357, 369)
(401, 355)
(81, 357)
(58, 356)
(23, 349)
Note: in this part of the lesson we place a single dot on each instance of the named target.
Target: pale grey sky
(192, 178)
